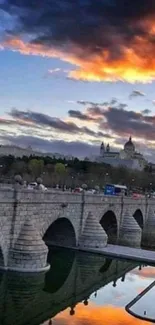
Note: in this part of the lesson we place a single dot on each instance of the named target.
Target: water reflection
(80, 289)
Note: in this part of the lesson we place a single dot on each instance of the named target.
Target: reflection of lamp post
(123, 278)
(72, 311)
(114, 283)
(85, 302)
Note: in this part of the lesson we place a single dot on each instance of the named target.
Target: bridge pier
(93, 235)
(130, 232)
(148, 238)
(29, 254)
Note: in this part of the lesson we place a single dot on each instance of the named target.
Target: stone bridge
(33, 299)
(30, 221)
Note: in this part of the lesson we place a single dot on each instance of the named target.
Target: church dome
(129, 146)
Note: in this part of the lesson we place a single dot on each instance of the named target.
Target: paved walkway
(137, 254)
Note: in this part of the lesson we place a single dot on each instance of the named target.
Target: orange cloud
(136, 63)
(97, 315)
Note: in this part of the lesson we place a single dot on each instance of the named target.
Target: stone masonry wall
(26, 215)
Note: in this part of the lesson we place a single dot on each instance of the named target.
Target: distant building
(128, 157)
(18, 152)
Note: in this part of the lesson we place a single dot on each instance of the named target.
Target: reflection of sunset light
(140, 290)
(97, 315)
(147, 272)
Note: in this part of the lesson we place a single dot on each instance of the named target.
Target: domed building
(129, 150)
(128, 157)
(129, 146)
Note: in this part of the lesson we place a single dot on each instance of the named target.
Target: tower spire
(102, 149)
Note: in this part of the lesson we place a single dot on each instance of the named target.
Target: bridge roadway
(33, 299)
(30, 221)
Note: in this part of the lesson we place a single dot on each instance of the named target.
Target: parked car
(42, 187)
(78, 190)
(137, 195)
(91, 191)
(32, 186)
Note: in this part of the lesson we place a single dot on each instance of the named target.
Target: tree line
(72, 173)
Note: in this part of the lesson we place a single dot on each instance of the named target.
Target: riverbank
(134, 254)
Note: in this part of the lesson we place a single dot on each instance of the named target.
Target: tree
(36, 167)
(60, 170)
(19, 167)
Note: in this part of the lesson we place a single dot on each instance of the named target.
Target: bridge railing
(23, 194)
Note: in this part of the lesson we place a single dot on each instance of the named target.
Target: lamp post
(106, 178)
(150, 189)
(72, 185)
(132, 185)
(92, 183)
(1, 166)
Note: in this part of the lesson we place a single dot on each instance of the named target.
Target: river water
(79, 289)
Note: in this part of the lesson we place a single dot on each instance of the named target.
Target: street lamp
(132, 182)
(106, 177)
(150, 187)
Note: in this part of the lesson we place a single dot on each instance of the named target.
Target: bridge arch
(60, 233)
(138, 216)
(109, 224)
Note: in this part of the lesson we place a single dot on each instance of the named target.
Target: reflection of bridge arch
(1, 258)
(3, 252)
(106, 265)
(35, 305)
(138, 216)
(61, 265)
(60, 233)
(109, 224)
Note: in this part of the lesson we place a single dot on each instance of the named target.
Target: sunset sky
(74, 73)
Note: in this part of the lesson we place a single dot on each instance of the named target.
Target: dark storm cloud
(124, 122)
(146, 111)
(136, 93)
(88, 103)
(119, 121)
(57, 124)
(105, 40)
(61, 22)
(80, 116)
